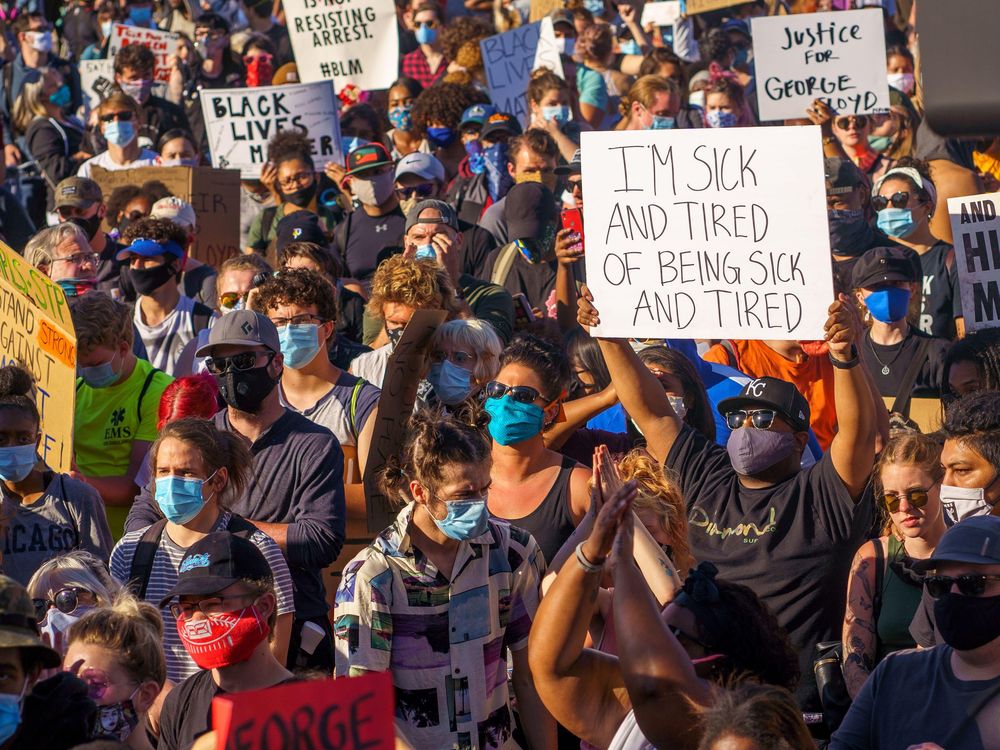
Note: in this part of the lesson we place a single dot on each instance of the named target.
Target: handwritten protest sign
(36, 332)
(399, 391)
(162, 43)
(240, 122)
(707, 233)
(96, 79)
(214, 194)
(836, 57)
(353, 713)
(976, 229)
(511, 57)
(663, 13)
(356, 41)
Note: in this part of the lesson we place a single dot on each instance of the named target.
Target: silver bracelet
(586, 564)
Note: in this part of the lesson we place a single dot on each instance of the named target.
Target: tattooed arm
(859, 622)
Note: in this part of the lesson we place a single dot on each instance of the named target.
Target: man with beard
(79, 200)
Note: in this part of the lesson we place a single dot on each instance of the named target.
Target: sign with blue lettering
(510, 58)
(976, 229)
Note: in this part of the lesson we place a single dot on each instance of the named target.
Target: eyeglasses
(523, 394)
(123, 116)
(422, 190)
(296, 179)
(298, 320)
(968, 585)
(459, 358)
(860, 121)
(915, 497)
(898, 200)
(762, 419)
(213, 606)
(79, 258)
(241, 361)
(65, 600)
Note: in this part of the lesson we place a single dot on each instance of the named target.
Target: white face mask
(905, 82)
(964, 502)
(40, 41)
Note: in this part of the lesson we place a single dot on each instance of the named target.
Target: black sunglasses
(523, 394)
(917, 498)
(762, 419)
(968, 585)
(65, 600)
(422, 190)
(241, 361)
(898, 200)
(860, 120)
(125, 116)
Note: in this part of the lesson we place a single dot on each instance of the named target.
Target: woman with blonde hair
(464, 356)
(652, 103)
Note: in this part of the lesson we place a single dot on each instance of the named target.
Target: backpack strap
(503, 263)
(904, 392)
(142, 394)
(201, 316)
(239, 526)
(879, 577)
(266, 222)
(730, 353)
(142, 560)
(353, 409)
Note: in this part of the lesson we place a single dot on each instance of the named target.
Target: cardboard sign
(691, 7)
(837, 57)
(36, 332)
(510, 59)
(240, 122)
(976, 229)
(399, 391)
(664, 13)
(349, 713)
(541, 8)
(707, 233)
(348, 42)
(163, 44)
(214, 194)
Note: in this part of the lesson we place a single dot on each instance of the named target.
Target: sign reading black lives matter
(976, 229)
(346, 41)
(838, 57)
(510, 59)
(240, 122)
(707, 233)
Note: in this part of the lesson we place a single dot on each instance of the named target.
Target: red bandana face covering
(222, 640)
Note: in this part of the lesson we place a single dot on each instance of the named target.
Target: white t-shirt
(165, 341)
(103, 160)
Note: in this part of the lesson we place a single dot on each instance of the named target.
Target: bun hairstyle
(542, 81)
(17, 391)
(435, 440)
(218, 449)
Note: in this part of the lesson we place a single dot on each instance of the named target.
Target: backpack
(503, 263)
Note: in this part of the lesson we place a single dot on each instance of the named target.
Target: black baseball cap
(777, 394)
(882, 264)
(975, 540)
(369, 156)
(299, 226)
(217, 562)
(500, 122)
(842, 176)
(530, 207)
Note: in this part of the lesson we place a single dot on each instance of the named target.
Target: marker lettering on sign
(509, 60)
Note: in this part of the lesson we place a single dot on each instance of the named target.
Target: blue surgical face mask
(400, 118)
(889, 304)
(594, 6)
(10, 713)
(662, 122)
(140, 16)
(477, 161)
(879, 143)
(452, 383)
(896, 222)
(99, 376)
(718, 118)
(61, 98)
(299, 343)
(426, 252)
(466, 519)
(425, 35)
(513, 422)
(180, 498)
(440, 137)
(119, 133)
(561, 114)
(17, 461)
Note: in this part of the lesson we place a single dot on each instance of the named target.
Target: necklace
(885, 365)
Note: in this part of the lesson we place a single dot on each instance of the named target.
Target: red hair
(189, 396)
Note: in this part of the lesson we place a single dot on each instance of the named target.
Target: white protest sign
(838, 57)
(162, 43)
(240, 122)
(976, 229)
(663, 13)
(346, 41)
(707, 233)
(509, 59)
(96, 79)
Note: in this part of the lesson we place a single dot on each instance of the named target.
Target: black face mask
(300, 197)
(967, 622)
(246, 389)
(850, 233)
(148, 280)
(90, 226)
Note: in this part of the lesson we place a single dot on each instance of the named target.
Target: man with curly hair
(438, 113)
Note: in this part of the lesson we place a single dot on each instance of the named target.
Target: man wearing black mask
(79, 200)
(297, 495)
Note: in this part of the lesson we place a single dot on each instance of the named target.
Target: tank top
(551, 523)
(900, 600)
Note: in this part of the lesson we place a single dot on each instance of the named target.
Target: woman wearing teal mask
(537, 489)
(551, 104)
(39, 503)
(198, 470)
(447, 562)
(465, 356)
(651, 104)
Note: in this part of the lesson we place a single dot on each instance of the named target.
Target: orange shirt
(813, 378)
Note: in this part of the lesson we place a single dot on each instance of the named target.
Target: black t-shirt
(897, 358)
(792, 543)
(351, 315)
(109, 275)
(941, 300)
(278, 35)
(361, 238)
(534, 280)
(187, 711)
(477, 244)
(79, 29)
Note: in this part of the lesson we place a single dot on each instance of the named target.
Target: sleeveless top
(629, 736)
(900, 600)
(551, 523)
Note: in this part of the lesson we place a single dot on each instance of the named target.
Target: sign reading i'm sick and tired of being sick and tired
(976, 229)
(707, 233)
(837, 57)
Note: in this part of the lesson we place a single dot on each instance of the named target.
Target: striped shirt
(163, 577)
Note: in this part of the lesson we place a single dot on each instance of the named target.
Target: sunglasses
(422, 190)
(65, 600)
(860, 121)
(428, 24)
(523, 394)
(229, 299)
(898, 200)
(124, 116)
(917, 498)
(762, 419)
(968, 585)
(241, 361)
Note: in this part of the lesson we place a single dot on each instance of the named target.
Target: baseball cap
(881, 264)
(18, 626)
(501, 121)
(774, 393)
(842, 176)
(216, 562)
(241, 328)
(299, 226)
(448, 215)
(975, 540)
(561, 15)
(422, 165)
(178, 211)
(575, 165)
(369, 156)
(530, 206)
(78, 192)
(477, 114)
(149, 248)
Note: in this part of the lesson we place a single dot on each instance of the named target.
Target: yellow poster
(36, 332)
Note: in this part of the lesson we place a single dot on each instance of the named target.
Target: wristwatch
(848, 364)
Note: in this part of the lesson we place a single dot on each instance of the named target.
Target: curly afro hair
(463, 30)
(444, 103)
(290, 144)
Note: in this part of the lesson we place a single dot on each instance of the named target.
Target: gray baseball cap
(241, 328)
(448, 215)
